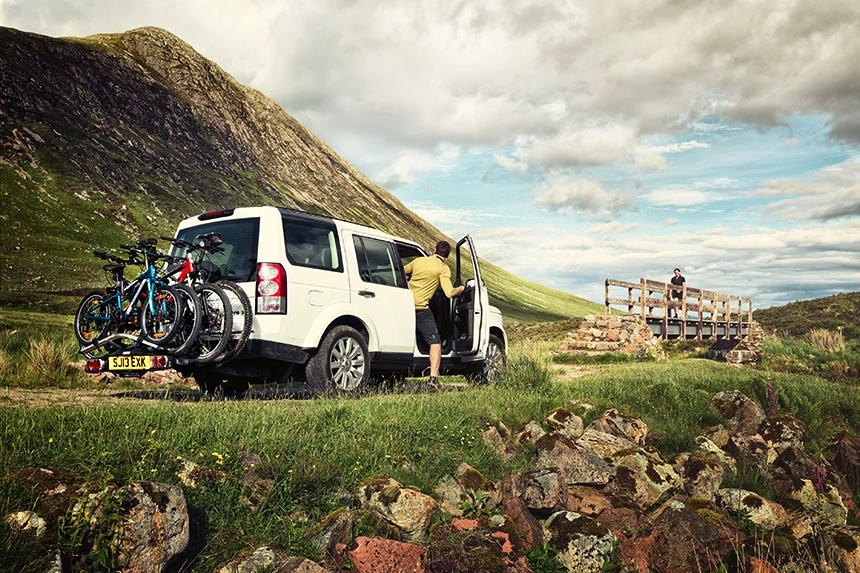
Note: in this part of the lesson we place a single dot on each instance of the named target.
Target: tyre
(493, 363)
(341, 365)
(216, 323)
(93, 322)
(243, 318)
(215, 385)
(161, 317)
(189, 326)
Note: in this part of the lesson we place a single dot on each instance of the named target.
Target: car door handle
(366, 293)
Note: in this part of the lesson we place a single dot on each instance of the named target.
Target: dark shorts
(425, 325)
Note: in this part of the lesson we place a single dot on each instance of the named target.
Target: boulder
(528, 527)
(682, 539)
(587, 501)
(781, 432)
(583, 544)
(262, 559)
(604, 444)
(485, 544)
(749, 449)
(406, 508)
(709, 449)
(27, 521)
(621, 425)
(565, 423)
(504, 446)
(257, 482)
(702, 475)
(334, 531)
(741, 413)
(544, 491)
(844, 452)
(531, 433)
(841, 546)
(763, 512)
(474, 481)
(821, 500)
(371, 555)
(643, 479)
(579, 465)
(451, 496)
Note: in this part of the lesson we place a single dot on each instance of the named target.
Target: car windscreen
(236, 258)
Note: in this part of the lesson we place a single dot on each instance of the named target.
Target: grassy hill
(109, 138)
(840, 311)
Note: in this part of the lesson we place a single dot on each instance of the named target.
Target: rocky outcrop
(602, 333)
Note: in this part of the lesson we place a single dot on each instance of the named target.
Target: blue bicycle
(142, 311)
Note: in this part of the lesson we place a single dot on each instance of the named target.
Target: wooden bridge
(698, 313)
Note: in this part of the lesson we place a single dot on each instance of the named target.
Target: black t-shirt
(678, 281)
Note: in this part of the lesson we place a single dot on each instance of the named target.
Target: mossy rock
(455, 551)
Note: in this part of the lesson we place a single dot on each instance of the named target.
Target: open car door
(471, 325)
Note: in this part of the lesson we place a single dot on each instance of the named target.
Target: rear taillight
(159, 361)
(95, 365)
(271, 289)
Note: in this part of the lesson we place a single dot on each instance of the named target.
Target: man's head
(443, 249)
(677, 272)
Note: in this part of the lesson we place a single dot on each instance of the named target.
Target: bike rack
(119, 336)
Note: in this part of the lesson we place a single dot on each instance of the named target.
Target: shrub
(527, 368)
(826, 339)
(48, 361)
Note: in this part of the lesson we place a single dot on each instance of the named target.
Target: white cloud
(411, 163)
(561, 192)
(679, 196)
(679, 147)
(596, 145)
(831, 193)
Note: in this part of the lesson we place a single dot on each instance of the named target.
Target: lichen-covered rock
(450, 495)
(718, 434)
(262, 559)
(528, 527)
(583, 544)
(333, 531)
(702, 476)
(749, 449)
(27, 521)
(578, 464)
(486, 544)
(407, 509)
(741, 413)
(604, 444)
(587, 501)
(372, 555)
(501, 444)
(781, 432)
(763, 512)
(822, 500)
(473, 480)
(682, 539)
(565, 423)
(706, 447)
(621, 425)
(844, 452)
(841, 546)
(643, 479)
(531, 433)
(543, 491)
(257, 481)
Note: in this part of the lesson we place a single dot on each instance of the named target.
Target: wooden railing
(714, 312)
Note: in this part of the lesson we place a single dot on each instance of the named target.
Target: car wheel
(493, 364)
(341, 365)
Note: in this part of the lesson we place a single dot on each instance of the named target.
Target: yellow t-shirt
(428, 274)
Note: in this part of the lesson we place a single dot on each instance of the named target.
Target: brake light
(215, 214)
(159, 361)
(271, 289)
(95, 365)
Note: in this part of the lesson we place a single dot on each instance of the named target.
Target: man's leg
(435, 360)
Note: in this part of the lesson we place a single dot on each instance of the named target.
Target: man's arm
(445, 282)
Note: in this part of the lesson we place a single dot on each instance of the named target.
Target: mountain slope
(112, 137)
(839, 311)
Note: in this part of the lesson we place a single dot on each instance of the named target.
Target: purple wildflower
(818, 473)
(772, 398)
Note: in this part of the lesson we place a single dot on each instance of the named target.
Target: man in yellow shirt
(428, 274)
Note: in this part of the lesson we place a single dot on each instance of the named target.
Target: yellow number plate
(129, 362)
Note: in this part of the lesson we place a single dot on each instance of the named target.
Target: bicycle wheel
(243, 318)
(93, 323)
(216, 323)
(189, 326)
(160, 317)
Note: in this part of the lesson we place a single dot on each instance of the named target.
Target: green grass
(799, 318)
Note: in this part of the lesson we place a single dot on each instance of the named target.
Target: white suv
(331, 298)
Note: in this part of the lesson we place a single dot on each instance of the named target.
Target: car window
(236, 258)
(312, 245)
(377, 261)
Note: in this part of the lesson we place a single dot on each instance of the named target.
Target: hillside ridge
(112, 137)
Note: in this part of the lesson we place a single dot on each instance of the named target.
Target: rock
(844, 452)
(761, 511)
(193, 475)
(152, 526)
(583, 545)
(474, 481)
(741, 413)
(451, 496)
(757, 565)
(544, 491)
(822, 500)
(749, 449)
(841, 544)
(738, 356)
(257, 487)
(579, 465)
(718, 434)
(500, 444)
(621, 425)
(682, 539)
(781, 432)
(27, 521)
(371, 555)
(531, 433)
(587, 501)
(528, 528)
(485, 544)
(333, 531)
(565, 423)
(263, 559)
(709, 449)
(604, 444)
(408, 509)
(702, 476)
(643, 478)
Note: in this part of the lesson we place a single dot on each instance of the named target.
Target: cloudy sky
(574, 139)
